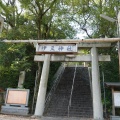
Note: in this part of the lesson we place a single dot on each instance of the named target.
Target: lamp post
(107, 18)
(118, 34)
(1, 23)
(113, 20)
(118, 31)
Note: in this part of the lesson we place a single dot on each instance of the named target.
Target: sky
(81, 35)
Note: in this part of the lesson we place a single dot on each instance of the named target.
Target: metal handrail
(90, 78)
(69, 105)
(57, 77)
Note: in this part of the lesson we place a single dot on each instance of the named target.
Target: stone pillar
(113, 105)
(42, 87)
(97, 103)
(1, 23)
(21, 79)
(86, 64)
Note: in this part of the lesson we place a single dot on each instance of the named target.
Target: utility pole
(118, 17)
(118, 25)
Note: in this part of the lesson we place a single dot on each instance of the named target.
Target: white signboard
(56, 48)
(117, 99)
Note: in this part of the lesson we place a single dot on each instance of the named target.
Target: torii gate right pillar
(97, 103)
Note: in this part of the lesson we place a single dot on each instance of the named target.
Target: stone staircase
(81, 101)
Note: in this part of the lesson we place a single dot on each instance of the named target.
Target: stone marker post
(21, 79)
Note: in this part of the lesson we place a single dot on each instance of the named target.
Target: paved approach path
(16, 117)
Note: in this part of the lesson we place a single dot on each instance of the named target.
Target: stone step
(64, 118)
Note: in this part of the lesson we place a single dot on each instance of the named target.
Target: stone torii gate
(94, 58)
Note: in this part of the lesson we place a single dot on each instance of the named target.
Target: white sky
(81, 35)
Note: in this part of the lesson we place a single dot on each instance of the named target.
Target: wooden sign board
(56, 48)
(117, 99)
(17, 97)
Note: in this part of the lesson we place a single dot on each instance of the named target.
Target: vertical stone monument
(16, 102)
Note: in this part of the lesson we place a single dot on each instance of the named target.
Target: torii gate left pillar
(43, 87)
